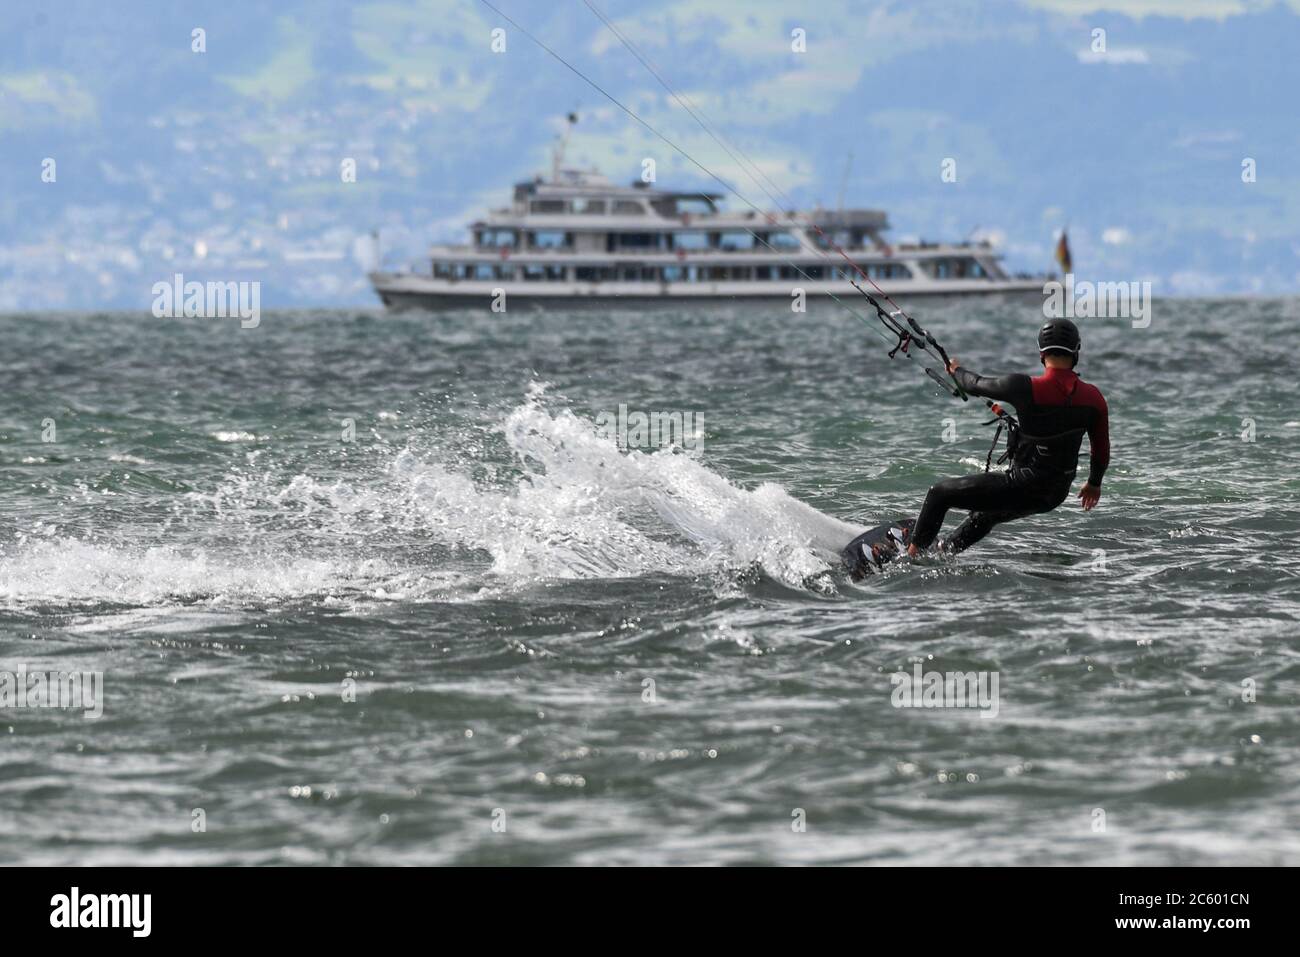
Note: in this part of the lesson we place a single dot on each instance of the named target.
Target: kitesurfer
(1055, 409)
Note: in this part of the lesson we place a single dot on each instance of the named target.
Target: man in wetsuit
(1055, 410)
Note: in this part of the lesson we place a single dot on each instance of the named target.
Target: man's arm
(1014, 388)
(1099, 450)
(1099, 443)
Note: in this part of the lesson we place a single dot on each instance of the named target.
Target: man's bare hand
(1089, 495)
(952, 365)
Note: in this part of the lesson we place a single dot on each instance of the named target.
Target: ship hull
(400, 292)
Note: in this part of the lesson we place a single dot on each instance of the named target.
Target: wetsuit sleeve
(1015, 388)
(1099, 443)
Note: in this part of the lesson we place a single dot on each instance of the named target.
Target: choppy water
(500, 583)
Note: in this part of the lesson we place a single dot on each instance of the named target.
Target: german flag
(1063, 254)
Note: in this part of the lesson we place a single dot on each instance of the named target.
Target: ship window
(548, 206)
(441, 270)
(782, 241)
(888, 271)
(815, 272)
(497, 237)
(546, 239)
(841, 237)
(733, 241)
(691, 240)
(672, 274)
(535, 273)
(764, 272)
(649, 274)
(595, 273)
(589, 207)
(637, 240)
(956, 269)
(484, 272)
(695, 205)
(628, 207)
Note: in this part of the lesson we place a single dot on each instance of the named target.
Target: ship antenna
(557, 158)
(848, 165)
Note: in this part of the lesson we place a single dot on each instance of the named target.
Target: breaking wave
(573, 506)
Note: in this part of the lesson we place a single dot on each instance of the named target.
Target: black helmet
(1059, 335)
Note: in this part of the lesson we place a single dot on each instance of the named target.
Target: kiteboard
(871, 550)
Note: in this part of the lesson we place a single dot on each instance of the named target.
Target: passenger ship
(576, 238)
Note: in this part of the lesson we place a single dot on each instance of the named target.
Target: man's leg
(976, 526)
(986, 492)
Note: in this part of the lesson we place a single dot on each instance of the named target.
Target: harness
(1016, 435)
(1007, 421)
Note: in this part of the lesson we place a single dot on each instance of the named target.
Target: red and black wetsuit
(1055, 410)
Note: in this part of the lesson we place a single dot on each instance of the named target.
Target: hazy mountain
(225, 164)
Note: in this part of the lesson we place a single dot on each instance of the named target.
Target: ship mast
(557, 158)
(844, 182)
